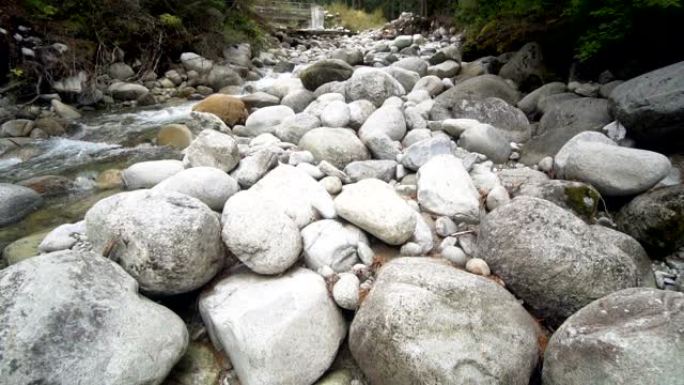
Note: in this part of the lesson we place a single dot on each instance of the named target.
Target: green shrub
(356, 19)
(171, 21)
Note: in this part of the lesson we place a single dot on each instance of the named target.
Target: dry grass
(357, 20)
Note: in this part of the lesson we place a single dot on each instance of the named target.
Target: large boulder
(276, 330)
(332, 243)
(120, 71)
(445, 188)
(194, 62)
(479, 87)
(526, 67)
(406, 78)
(169, 242)
(16, 202)
(546, 256)
(229, 108)
(325, 71)
(631, 337)
(266, 120)
(260, 234)
(487, 140)
(221, 76)
(580, 198)
(148, 174)
(529, 103)
(615, 170)
(294, 127)
(127, 91)
(655, 219)
(213, 149)
(385, 121)
(651, 106)
(208, 184)
(339, 146)
(426, 322)
(16, 128)
(374, 85)
(75, 317)
(374, 206)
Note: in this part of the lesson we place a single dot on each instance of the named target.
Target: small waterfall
(317, 17)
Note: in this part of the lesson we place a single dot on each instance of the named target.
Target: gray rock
(487, 140)
(65, 111)
(546, 256)
(513, 178)
(631, 337)
(529, 103)
(498, 196)
(294, 127)
(374, 206)
(253, 167)
(655, 219)
(431, 84)
(208, 184)
(359, 111)
(332, 184)
(406, 78)
(454, 255)
(651, 106)
(478, 88)
(417, 154)
(260, 234)
(165, 256)
(385, 121)
(402, 41)
(346, 291)
(16, 202)
(298, 100)
(261, 99)
(382, 147)
(276, 330)
(614, 170)
(373, 85)
(547, 102)
(63, 237)
(194, 62)
(415, 136)
(445, 188)
(127, 91)
(122, 337)
(447, 69)
(267, 119)
(413, 64)
(148, 174)
(16, 128)
(365, 169)
(325, 71)
(426, 321)
(213, 149)
(580, 198)
(333, 244)
(526, 67)
(339, 146)
(120, 71)
(353, 56)
(568, 150)
(239, 54)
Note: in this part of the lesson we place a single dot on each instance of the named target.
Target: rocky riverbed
(342, 210)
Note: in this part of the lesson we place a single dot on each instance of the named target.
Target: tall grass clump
(356, 19)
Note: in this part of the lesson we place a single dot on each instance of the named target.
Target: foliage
(171, 21)
(357, 19)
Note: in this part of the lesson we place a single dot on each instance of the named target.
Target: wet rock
(16, 128)
(177, 136)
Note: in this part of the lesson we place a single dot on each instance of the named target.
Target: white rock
(267, 119)
(62, 237)
(444, 226)
(359, 111)
(148, 174)
(276, 330)
(195, 62)
(365, 253)
(213, 149)
(260, 234)
(331, 243)
(454, 255)
(445, 188)
(210, 185)
(346, 291)
(332, 184)
(478, 266)
(374, 206)
(498, 196)
(335, 114)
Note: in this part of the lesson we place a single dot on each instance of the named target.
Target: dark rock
(325, 71)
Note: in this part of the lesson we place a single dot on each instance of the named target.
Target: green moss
(579, 195)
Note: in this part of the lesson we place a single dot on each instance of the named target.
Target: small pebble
(332, 184)
(366, 254)
(346, 291)
(454, 255)
(478, 266)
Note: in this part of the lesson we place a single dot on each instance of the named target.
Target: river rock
(208, 184)
(526, 67)
(294, 127)
(16, 128)
(365, 169)
(375, 207)
(447, 69)
(127, 91)
(229, 108)
(16, 202)
(333, 244)
(260, 99)
(276, 330)
(631, 337)
(480, 87)
(177, 136)
(296, 193)
(615, 170)
(431, 84)
(373, 85)
(165, 256)
(568, 150)
(213, 149)
(65, 111)
(580, 198)
(267, 119)
(148, 174)
(529, 103)
(222, 76)
(253, 167)
(120, 71)
(335, 114)
(359, 111)
(260, 234)
(385, 121)
(298, 100)
(487, 140)
(346, 291)
(194, 62)
(339, 146)
(546, 256)
(413, 64)
(424, 319)
(352, 56)
(419, 153)
(123, 338)
(63, 237)
(406, 78)
(325, 71)
(445, 188)
(656, 219)
(651, 106)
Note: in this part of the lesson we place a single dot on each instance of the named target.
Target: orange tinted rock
(229, 108)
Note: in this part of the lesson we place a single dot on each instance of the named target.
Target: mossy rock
(201, 365)
(338, 377)
(109, 179)
(23, 248)
(177, 136)
(229, 108)
(580, 198)
(325, 71)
